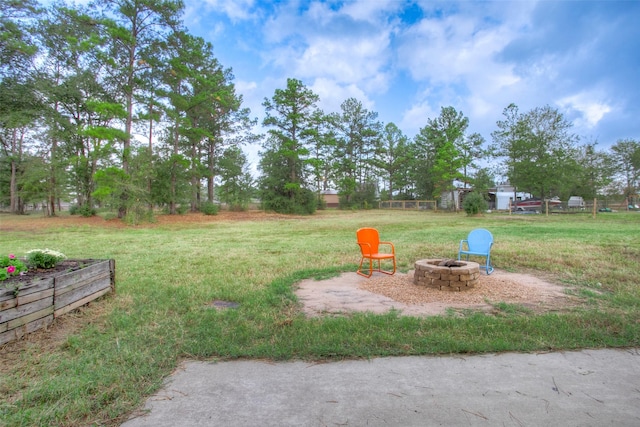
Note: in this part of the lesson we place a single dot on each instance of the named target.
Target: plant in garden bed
(44, 258)
(11, 266)
(35, 259)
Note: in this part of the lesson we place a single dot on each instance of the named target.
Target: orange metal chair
(369, 242)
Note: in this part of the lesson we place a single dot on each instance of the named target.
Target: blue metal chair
(478, 243)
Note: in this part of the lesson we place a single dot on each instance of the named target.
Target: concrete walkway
(583, 388)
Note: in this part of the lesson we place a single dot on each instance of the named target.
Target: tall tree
(17, 47)
(471, 149)
(204, 107)
(230, 125)
(18, 102)
(289, 117)
(441, 143)
(357, 134)
(626, 157)
(595, 172)
(505, 141)
(539, 149)
(392, 157)
(483, 181)
(137, 30)
(19, 111)
(70, 83)
(320, 154)
(236, 181)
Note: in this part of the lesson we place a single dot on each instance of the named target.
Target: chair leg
(370, 268)
(489, 268)
(391, 273)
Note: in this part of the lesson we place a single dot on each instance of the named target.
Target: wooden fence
(409, 204)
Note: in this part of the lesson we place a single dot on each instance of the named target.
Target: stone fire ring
(458, 276)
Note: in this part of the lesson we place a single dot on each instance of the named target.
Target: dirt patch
(381, 293)
(41, 343)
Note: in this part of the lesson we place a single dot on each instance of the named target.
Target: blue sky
(407, 59)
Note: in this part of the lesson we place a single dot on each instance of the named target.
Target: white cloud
(325, 44)
(353, 60)
(590, 107)
(372, 11)
(456, 60)
(251, 95)
(416, 117)
(236, 10)
(332, 94)
(455, 48)
(457, 56)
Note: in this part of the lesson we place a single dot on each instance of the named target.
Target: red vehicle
(535, 204)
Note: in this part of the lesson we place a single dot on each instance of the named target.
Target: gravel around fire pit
(350, 293)
(495, 287)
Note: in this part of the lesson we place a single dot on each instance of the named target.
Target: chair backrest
(370, 236)
(480, 240)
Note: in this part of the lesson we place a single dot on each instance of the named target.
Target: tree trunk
(13, 183)
(150, 154)
(210, 178)
(174, 173)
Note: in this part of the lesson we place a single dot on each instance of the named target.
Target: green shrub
(474, 203)
(87, 211)
(298, 201)
(44, 258)
(239, 207)
(322, 203)
(84, 210)
(139, 213)
(107, 216)
(209, 208)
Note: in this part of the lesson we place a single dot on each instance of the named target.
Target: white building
(502, 196)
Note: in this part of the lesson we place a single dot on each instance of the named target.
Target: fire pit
(446, 274)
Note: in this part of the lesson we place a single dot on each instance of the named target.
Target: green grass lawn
(167, 276)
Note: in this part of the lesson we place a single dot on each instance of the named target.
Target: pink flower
(12, 256)
(11, 269)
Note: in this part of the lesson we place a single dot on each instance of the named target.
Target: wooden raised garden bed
(29, 304)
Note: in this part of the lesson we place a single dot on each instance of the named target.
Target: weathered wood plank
(60, 300)
(81, 302)
(25, 309)
(15, 323)
(25, 299)
(19, 332)
(8, 293)
(100, 276)
(78, 278)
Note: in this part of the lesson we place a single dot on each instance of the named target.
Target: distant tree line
(115, 104)
(308, 151)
